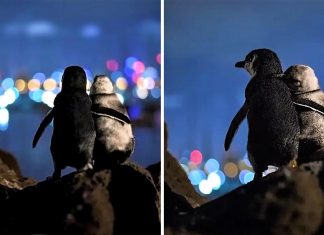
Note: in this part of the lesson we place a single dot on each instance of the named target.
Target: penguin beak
(240, 64)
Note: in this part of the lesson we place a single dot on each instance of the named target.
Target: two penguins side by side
(78, 132)
(284, 112)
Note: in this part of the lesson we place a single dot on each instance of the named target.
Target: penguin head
(301, 78)
(74, 77)
(261, 61)
(101, 85)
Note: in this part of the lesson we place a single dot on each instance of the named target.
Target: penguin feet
(88, 166)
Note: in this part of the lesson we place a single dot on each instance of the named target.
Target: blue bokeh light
(211, 165)
(195, 176)
(7, 83)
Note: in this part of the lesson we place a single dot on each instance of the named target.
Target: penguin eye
(250, 59)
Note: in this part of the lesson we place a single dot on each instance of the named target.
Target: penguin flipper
(308, 104)
(235, 123)
(46, 121)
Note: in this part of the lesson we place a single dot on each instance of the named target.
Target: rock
(316, 168)
(176, 178)
(11, 163)
(179, 194)
(123, 200)
(289, 201)
(10, 174)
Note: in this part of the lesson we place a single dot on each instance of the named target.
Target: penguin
(74, 130)
(114, 141)
(303, 84)
(273, 137)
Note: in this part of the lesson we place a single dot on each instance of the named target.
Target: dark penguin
(74, 130)
(303, 84)
(114, 139)
(272, 118)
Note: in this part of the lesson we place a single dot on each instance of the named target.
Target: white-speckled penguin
(272, 118)
(309, 101)
(74, 131)
(114, 142)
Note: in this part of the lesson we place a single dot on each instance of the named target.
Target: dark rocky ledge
(289, 201)
(119, 201)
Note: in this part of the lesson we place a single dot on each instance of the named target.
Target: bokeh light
(40, 77)
(49, 84)
(142, 93)
(242, 175)
(231, 169)
(158, 58)
(21, 85)
(135, 77)
(36, 95)
(140, 83)
(196, 176)
(156, 93)
(214, 180)
(130, 61)
(48, 98)
(211, 165)
(138, 67)
(248, 177)
(150, 72)
(7, 83)
(3, 101)
(4, 119)
(149, 83)
(222, 176)
(112, 65)
(121, 83)
(196, 157)
(11, 95)
(33, 84)
(205, 187)
(57, 76)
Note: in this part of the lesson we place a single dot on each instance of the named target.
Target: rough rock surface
(179, 194)
(289, 201)
(176, 178)
(10, 174)
(123, 200)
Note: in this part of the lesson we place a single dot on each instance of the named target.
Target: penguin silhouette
(273, 136)
(74, 131)
(114, 141)
(309, 100)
